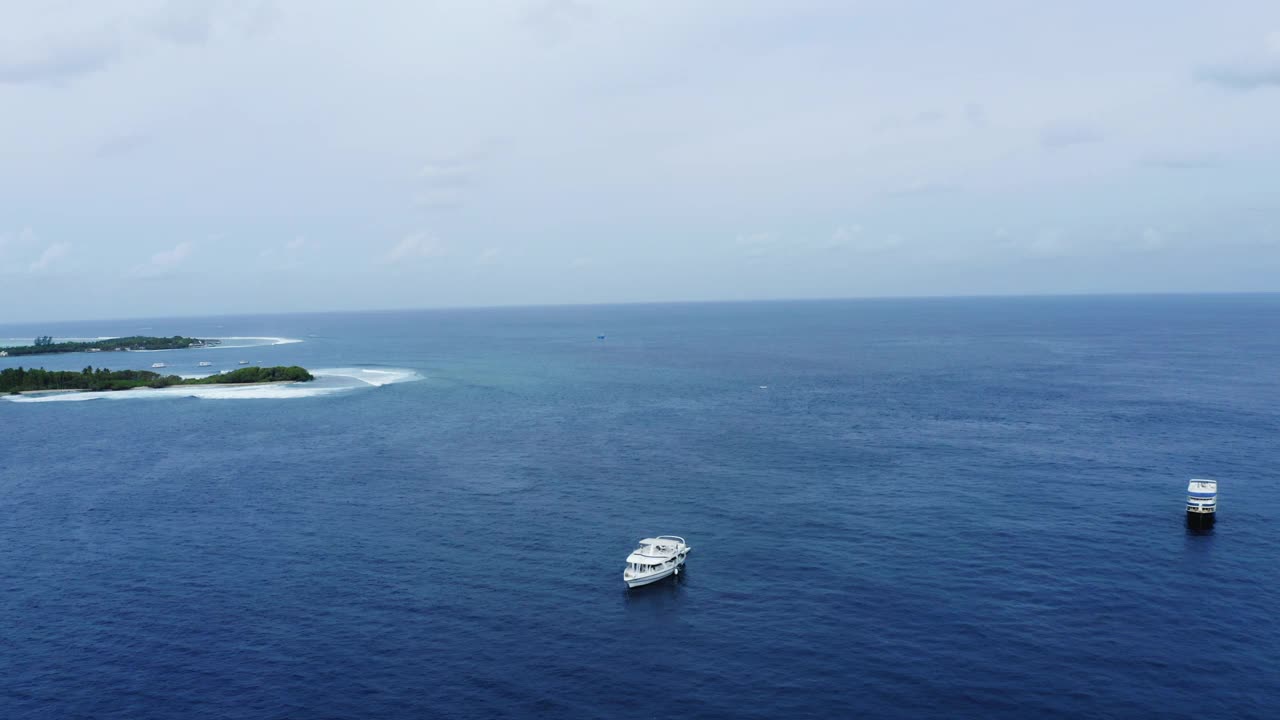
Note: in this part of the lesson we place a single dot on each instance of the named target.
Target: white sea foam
(328, 382)
(369, 376)
(248, 342)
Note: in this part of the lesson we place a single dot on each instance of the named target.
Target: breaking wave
(329, 381)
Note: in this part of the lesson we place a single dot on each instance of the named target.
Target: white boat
(205, 363)
(654, 559)
(158, 365)
(244, 362)
(1202, 502)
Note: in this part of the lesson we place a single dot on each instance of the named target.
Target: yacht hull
(650, 579)
(1200, 520)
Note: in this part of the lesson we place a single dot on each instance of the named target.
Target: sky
(202, 158)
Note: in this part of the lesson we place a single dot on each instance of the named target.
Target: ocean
(933, 508)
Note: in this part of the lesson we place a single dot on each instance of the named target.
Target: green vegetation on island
(16, 380)
(44, 345)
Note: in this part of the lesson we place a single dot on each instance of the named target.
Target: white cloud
(1255, 74)
(25, 236)
(756, 244)
(166, 260)
(1152, 239)
(1056, 137)
(842, 237)
(441, 185)
(1255, 70)
(489, 256)
(446, 174)
(438, 199)
(852, 238)
(53, 43)
(920, 188)
(555, 20)
(1048, 243)
(650, 128)
(50, 256)
(14, 246)
(172, 257)
(1178, 160)
(414, 246)
(287, 256)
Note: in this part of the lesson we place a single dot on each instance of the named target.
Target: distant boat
(244, 362)
(158, 365)
(1202, 503)
(599, 337)
(205, 363)
(655, 559)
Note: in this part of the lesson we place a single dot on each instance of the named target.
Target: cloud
(445, 175)
(413, 246)
(121, 144)
(12, 247)
(489, 256)
(555, 20)
(438, 199)
(441, 185)
(166, 260)
(852, 238)
(1151, 239)
(976, 114)
(287, 256)
(921, 119)
(1178, 160)
(58, 63)
(1243, 76)
(1256, 71)
(756, 244)
(50, 256)
(921, 187)
(842, 237)
(172, 257)
(57, 45)
(25, 236)
(183, 23)
(1061, 136)
(1047, 243)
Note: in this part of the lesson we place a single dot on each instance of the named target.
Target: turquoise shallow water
(934, 508)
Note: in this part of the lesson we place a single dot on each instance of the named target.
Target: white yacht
(244, 362)
(158, 365)
(655, 559)
(1202, 502)
(205, 363)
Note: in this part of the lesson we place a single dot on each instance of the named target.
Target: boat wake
(329, 381)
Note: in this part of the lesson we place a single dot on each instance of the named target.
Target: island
(18, 380)
(45, 345)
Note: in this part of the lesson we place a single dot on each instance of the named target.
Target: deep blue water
(936, 509)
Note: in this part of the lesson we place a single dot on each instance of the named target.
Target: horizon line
(632, 303)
